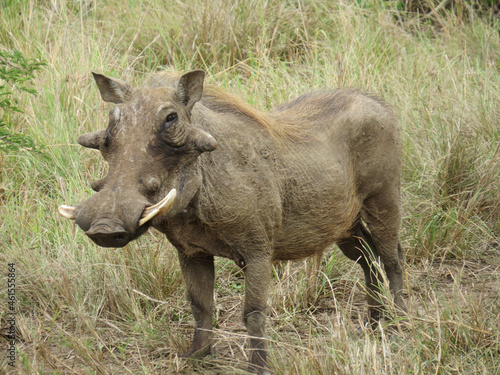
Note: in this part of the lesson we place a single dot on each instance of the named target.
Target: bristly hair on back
(218, 99)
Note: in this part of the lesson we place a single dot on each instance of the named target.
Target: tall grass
(84, 309)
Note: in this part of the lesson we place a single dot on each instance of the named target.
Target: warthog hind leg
(381, 212)
(361, 248)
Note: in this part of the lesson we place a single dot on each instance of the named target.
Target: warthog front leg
(198, 272)
(257, 279)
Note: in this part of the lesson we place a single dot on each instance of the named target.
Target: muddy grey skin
(250, 186)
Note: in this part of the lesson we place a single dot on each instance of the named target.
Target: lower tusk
(159, 208)
(67, 211)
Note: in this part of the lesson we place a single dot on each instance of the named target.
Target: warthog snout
(106, 232)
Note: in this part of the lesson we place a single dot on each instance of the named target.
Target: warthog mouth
(69, 212)
(109, 235)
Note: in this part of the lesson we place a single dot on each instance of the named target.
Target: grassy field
(81, 309)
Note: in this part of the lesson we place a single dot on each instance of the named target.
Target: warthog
(219, 178)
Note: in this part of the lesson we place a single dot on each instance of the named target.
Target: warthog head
(152, 148)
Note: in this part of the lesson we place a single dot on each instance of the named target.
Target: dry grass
(83, 309)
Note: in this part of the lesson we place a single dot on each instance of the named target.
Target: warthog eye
(171, 118)
(170, 134)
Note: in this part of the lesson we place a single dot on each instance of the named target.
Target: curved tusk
(159, 208)
(67, 211)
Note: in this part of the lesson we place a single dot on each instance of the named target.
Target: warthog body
(249, 186)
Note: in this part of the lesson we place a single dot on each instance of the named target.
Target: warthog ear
(92, 140)
(112, 90)
(190, 87)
